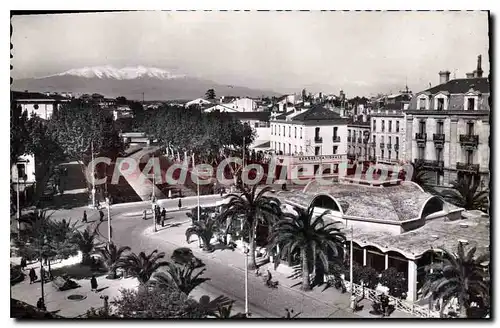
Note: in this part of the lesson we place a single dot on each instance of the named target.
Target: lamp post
(44, 241)
(93, 174)
(18, 209)
(246, 251)
(153, 198)
(350, 262)
(108, 203)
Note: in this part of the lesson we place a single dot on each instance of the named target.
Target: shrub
(395, 281)
(368, 275)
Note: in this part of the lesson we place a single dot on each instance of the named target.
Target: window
(301, 149)
(295, 132)
(397, 155)
(295, 149)
(439, 154)
(421, 103)
(389, 154)
(397, 140)
(397, 126)
(289, 131)
(389, 140)
(316, 133)
(470, 104)
(289, 148)
(256, 124)
(440, 104)
(374, 125)
(440, 127)
(279, 130)
(301, 133)
(21, 171)
(421, 127)
(390, 126)
(382, 153)
(421, 154)
(349, 133)
(470, 157)
(316, 151)
(335, 149)
(381, 139)
(470, 128)
(335, 130)
(374, 138)
(383, 125)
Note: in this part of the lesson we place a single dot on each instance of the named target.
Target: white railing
(399, 304)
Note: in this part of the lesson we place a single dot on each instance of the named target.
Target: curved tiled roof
(394, 203)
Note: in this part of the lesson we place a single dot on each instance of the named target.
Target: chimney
(444, 76)
(478, 72)
(469, 75)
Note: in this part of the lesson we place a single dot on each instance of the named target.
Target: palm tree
(111, 254)
(205, 230)
(224, 312)
(421, 177)
(142, 266)
(465, 194)
(181, 277)
(308, 234)
(253, 209)
(459, 275)
(86, 242)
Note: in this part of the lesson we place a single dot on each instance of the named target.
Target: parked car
(185, 256)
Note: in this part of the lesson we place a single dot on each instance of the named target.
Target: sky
(363, 53)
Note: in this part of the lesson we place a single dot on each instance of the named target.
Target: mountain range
(132, 83)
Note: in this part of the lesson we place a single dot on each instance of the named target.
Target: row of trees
(189, 129)
(68, 135)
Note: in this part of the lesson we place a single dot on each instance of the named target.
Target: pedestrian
(283, 186)
(23, 263)
(97, 204)
(32, 275)
(101, 215)
(180, 204)
(164, 213)
(41, 305)
(93, 284)
(144, 215)
(84, 220)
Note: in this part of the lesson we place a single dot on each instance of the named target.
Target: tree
(253, 208)
(459, 275)
(157, 303)
(421, 177)
(86, 242)
(465, 194)
(210, 94)
(224, 312)
(79, 125)
(142, 266)
(18, 132)
(181, 277)
(205, 230)
(310, 235)
(111, 254)
(121, 100)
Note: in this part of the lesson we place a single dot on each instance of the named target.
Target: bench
(62, 284)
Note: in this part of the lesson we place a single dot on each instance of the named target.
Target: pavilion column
(412, 281)
(386, 261)
(364, 256)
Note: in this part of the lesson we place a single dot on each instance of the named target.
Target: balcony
(349, 139)
(468, 168)
(396, 147)
(351, 156)
(430, 164)
(365, 141)
(373, 144)
(372, 158)
(382, 145)
(438, 139)
(336, 139)
(421, 139)
(389, 146)
(360, 140)
(469, 141)
(318, 140)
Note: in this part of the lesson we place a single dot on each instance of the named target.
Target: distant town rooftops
(258, 116)
(19, 95)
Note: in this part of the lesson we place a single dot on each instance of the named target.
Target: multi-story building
(358, 137)
(388, 135)
(36, 103)
(259, 121)
(314, 135)
(448, 128)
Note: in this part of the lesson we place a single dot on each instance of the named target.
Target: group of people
(160, 215)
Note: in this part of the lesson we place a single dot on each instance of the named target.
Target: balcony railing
(336, 139)
(469, 168)
(469, 141)
(421, 137)
(318, 139)
(396, 147)
(365, 141)
(373, 144)
(389, 146)
(430, 164)
(382, 145)
(351, 156)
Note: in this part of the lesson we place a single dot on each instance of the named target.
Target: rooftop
(260, 116)
(314, 113)
(458, 86)
(19, 95)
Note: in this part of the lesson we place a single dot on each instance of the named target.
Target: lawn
(78, 271)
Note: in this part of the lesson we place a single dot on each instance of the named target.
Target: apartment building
(310, 135)
(358, 137)
(448, 128)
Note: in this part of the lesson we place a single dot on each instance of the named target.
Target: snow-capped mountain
(132, 83)
(125, 73)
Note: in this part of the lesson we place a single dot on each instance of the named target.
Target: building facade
(358, 137)
(448, 128)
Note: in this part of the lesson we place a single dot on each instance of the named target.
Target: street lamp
(108, 203)
(44, 241)
(246, 251)
(93, 174)
(153, 208)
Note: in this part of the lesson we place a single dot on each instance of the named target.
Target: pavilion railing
(399, 304)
